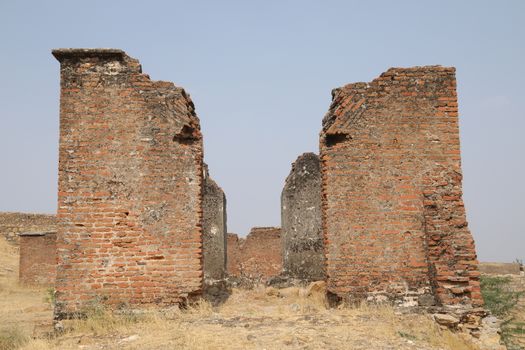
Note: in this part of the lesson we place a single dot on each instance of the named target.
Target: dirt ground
(259, 318)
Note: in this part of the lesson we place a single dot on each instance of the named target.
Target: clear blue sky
(260, 74)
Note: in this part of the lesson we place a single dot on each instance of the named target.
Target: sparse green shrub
(499, 297)
(50, 296)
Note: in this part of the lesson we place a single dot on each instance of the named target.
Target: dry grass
(21, 308)
(260, 318)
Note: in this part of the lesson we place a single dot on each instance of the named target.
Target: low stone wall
(38, 258)
(500, 268)
(12, 224)
(258, 256)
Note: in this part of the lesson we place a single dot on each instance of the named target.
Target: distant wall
(11, 224)
(500, 268)
(38, 258)
(233, 254)
(258, 256)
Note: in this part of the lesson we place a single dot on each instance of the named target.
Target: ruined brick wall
(214, 229)
(11, 224)
(302, 241)
(233, 254)
(38, 258)
(258, 256)
(393, 218)
(130, 185)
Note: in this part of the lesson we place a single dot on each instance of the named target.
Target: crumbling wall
(258, 256)
(233, 254)
(11, 224)
(302, 241)
(130, 185)
(214, 231)
(393, 219)
(37, 258)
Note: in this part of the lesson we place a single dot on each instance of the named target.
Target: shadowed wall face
(214, 232)
(393, 218)
(37, 258)
(130, 185)
(303, 252)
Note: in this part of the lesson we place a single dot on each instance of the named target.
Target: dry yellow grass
(250, 319)
(21, 308)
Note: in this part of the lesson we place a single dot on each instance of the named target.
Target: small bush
(500, 299)
(50, 296)
(12, 338)
(498, 296)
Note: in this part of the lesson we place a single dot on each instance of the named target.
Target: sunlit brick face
(130, 185)
(394, 223)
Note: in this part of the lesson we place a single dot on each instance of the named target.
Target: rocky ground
(258, 318)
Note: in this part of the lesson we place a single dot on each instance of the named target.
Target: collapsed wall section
(130, 185)
(214, 230)
(302, 241)
(393, 219)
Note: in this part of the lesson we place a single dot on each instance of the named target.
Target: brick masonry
(393, 218)
(258, 256)
(214, 231)
(12, 224)
(37, 258)
(302, 241)
(130, 186)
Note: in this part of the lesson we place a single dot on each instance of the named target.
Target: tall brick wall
(302, 241)
(130, 185)
(37, 258)
(258, 256)
(393, 219)
(11, 224)
(214, 229)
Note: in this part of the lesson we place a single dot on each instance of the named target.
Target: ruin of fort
(378, 214)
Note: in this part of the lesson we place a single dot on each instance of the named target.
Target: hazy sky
(260, 74)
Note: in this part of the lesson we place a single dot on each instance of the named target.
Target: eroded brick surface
(214, 232)
(37, 258)
(130, 185)
(393, 219)
(258, 256)
(11, 224)
(303, 251)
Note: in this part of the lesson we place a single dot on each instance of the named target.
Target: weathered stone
(129, 186)
(426, 300)
(214, 229)
(446, 320)
(303, 251)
